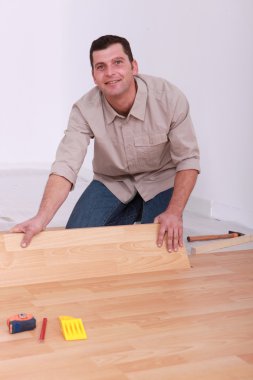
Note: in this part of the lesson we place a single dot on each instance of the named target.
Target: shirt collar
(138, 109)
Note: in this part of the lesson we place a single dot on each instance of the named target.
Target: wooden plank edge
(221, 244)
(63, 238)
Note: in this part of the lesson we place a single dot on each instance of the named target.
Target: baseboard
(25, 166)
(84, 173)
(221, 211)
(199, 206)
(225, 212)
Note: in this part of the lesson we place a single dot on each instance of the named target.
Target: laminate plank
(129, 234)
(85, 253)
(209, 247)
(220, 369)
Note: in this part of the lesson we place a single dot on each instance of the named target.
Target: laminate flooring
(186, 324)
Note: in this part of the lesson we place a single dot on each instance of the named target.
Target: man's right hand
(30, 228)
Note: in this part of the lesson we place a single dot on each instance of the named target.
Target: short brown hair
(104, 42)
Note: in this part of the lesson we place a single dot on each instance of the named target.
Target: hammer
(229, 235)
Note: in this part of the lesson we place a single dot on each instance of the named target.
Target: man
(146, 157)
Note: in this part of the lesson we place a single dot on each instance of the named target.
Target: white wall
(30, 80)
(205, 47)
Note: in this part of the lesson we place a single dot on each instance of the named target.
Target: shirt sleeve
(73, 147)
(183, 143)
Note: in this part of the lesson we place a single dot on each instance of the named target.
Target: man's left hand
(172, 225)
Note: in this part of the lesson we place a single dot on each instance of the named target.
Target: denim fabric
(97, 206)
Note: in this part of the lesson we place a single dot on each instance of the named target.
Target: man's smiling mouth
(112, 81)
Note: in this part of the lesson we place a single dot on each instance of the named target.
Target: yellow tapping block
(72, 328)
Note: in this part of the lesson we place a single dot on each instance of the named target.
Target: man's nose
(109, 70)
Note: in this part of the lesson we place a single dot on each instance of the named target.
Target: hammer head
(236, 232)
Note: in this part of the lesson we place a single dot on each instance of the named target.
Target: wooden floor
(184, 324)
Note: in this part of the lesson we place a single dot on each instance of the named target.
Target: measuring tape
(21, 322)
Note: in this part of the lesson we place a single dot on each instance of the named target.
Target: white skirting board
(220, 211)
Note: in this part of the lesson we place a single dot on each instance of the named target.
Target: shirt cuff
(64, 171)
(190, 163)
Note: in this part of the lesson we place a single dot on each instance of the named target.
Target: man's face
(112, 71)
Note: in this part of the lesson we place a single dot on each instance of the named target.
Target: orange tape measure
(21, 322)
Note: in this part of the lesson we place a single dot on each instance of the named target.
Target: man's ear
(135, 67)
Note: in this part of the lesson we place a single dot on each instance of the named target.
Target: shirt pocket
(150, 140)
(151, 150)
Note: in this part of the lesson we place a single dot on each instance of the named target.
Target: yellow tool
(72, 328)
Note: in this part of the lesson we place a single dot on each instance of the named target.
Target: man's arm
(171, 220)
(55, 193)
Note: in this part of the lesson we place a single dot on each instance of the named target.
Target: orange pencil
(43, 330)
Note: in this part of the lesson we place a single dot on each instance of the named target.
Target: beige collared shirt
(141, 152)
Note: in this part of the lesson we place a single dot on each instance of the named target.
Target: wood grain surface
(183, 324)
(88, 252)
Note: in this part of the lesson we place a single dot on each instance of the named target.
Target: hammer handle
(211, 237)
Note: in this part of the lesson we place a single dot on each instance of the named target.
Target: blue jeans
(97, 206)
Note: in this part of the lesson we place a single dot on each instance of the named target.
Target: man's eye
(118, 62)
(99, 67)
